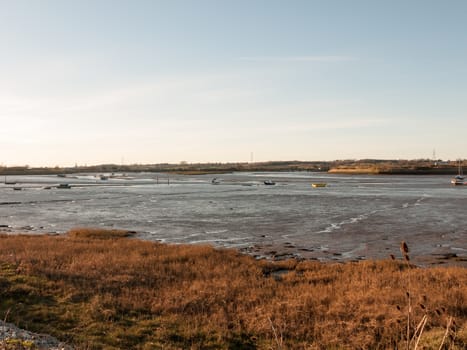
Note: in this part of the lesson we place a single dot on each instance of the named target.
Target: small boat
(103, 177)
(215, 181)
(318, 184)
(63, 186)
(17, 188)
(459, 178)
(269, 182)
(9, 182)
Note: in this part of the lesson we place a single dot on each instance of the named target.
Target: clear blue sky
(98, 81)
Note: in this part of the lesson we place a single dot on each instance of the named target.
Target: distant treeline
(363, 166)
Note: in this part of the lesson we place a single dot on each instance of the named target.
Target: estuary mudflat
(353, 217)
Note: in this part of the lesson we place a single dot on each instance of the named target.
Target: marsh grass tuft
(405, 251)
(414, 332)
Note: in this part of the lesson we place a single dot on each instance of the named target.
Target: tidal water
(353, 217)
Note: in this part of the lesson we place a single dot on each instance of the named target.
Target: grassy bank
(103, 292)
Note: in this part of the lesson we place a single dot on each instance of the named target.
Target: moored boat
(9, 182)
(459, 179)
(319, 184)
(63, 186)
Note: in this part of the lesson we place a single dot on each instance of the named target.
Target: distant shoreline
(366, 167)
(394, 171)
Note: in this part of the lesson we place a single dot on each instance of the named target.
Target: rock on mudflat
(10, 335)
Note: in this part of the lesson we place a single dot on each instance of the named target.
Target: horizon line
(181, 163)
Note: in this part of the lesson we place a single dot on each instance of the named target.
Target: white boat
(459, 178)
(269, 182)
(9, 182)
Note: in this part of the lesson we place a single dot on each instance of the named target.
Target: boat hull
(318, 185)
(458, 183)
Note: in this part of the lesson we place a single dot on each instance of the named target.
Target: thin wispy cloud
(295, 127)
(323, 58)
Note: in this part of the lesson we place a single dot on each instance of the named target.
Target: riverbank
(394, 170)
(363, 166)
(288, 250)
(99, 292)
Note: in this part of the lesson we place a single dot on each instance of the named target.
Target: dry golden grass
(130, 294)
